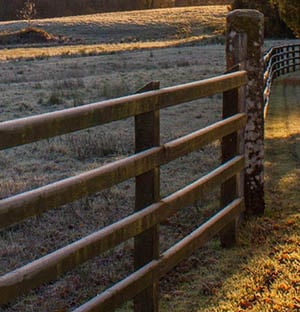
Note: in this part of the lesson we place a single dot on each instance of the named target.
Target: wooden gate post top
(251, 23)
(244, 19)
(244, 45)
(245, 16)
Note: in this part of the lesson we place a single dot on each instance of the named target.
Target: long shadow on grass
(215, 279)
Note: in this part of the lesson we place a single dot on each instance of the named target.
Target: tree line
(281, 16)
(289, 11)
(55, 8)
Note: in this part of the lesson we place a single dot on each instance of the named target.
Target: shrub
(289, 11)
(54, 99)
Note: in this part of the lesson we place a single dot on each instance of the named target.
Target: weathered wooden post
(282, 60)
(230, 147)
(287, 63)
(245, 36)
(147, 191)
(294, 57)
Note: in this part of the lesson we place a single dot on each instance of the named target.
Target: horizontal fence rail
(54, 265)
(278, 61)
(16, 208)
(114, 296)
(238, 188)
(31, 203)
(31, 129)
(239, 176)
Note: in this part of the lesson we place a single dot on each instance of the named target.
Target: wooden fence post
(230, 148)
(287, 63)
(281, 64)
(233, 144)
(250, 23)
(276, 65)
(294, 58)
(147, 191)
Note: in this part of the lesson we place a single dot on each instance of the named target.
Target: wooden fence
(144, 165)
(278, 61)
(150, 209)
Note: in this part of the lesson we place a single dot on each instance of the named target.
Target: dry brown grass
(124, 31)
(31, 86)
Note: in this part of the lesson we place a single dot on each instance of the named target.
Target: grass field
(106, 60)
(38, 84)
(262, 272)
(123, 31)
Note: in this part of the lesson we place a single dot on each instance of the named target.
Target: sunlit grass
(122, 31)
(85, 50)
(284, 123)
(279, 125)
(262, 273)
(289, 179)
(211, 14)
(258, 275)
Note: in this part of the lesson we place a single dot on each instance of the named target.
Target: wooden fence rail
(279, 60)
(31, 129)
(31, 203)
(16, 208)
(154, 270)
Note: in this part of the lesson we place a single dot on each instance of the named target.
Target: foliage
(290, 12)
(274, 25)
(56, 8)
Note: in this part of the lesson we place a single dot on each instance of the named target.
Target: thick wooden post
(287, 63)
(229, 189)
(146, 245)
(250, 23)
(297, 54)
(276, 66)
(282, 63)
(232, 145)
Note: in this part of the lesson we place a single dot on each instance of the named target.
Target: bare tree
(28, 12)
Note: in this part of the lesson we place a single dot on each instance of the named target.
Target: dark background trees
(281, 16)
(289, 11)
(54, 8)
(275, 26)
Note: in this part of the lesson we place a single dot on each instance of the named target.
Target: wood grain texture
(250, 24)
(147, 191)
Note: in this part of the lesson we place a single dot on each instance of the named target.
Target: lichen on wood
(245, 38)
